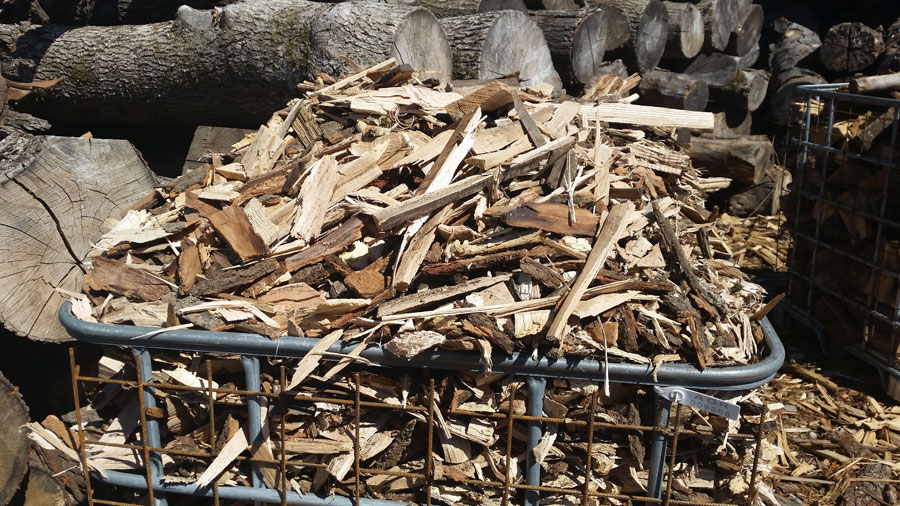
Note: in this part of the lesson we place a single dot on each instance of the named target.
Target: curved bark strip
(648, 20)
(371, 32)
(577, 41)
(498, 44)
(228, 66)
(50, 212)
(685, 32)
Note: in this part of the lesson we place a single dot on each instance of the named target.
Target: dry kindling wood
(577, 41)
(171, 73)
(685, 33)
(677, 91)
(647, 20)
(499, 44)
(850, 47)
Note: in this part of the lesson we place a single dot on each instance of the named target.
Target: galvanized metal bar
(150, 425)
(254, 413)
(658, 442)
(685, 375)
(536, 386)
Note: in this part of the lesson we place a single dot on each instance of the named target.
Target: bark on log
(14, 443)
(719, 19)
(794, 49)
(676, 91)
(889, 62)
(497, 44)
(716, 69)
(51, 209)
(747, 90)
(231, 66)
(454, 8)
(747, 34)
(685, 32)
(648, 20)
(730, 122)
(850, 47)
(117, 12)
(577, 41)
(747, 159)
(782, 88)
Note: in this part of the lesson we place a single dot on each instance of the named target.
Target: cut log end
(719, 19)
(677, 91)
(850, 47)
(685, 31)
(650, 42)
(589, 46)
(745, 37)
(433, 59)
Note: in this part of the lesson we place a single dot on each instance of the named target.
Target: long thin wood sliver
(234, 447)
(531, 128)
(355, 77)
(309, 362)
(610, 233)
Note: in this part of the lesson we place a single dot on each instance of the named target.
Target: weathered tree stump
(685, 31)
(228, 66)
(54, 201)
(577, 41)
(498, 44)
(850, 47)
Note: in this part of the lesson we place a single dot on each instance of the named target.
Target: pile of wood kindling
(470, 433)
(460, 220)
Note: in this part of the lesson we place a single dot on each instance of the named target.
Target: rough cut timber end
(50, 213)
(14, 443)
(498, 44)
(685, 31)
(577, 41)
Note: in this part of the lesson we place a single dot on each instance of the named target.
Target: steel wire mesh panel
(379, 436)
(844, 264)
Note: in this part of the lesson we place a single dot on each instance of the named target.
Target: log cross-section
(648, 21)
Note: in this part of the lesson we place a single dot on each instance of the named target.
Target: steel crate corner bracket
(842, 151)
(535, 373)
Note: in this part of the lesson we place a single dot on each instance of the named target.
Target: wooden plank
(646, 115)
(612, 229)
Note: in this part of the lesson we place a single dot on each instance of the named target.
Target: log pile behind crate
(495, 220)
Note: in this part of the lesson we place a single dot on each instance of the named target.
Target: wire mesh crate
(520, 425)
(844, 263)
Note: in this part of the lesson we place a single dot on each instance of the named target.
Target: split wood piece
(14, 443)
(315, 197)
(610, 232)
(427, 297)
(232, 224)
(311, 360)
(850, 47)
(370, 32)
(266, 64)
(782, 88)
(531, 128)
(746, 91)
(498, 44)
(305, 127)
(336, 240)
(806, 373)
(730, 122)
(577, 41)
(716, 69)
(685, 31)
(719, 20)
(451, 8)
(671, 243)
(874, 126)
(208, 140)
(419, 244)
(553, 218)
(226, 281)
(647, 20)
(871, 84)
(119, 278)
(55, 200)
(646, 115)
(701, 344)
(747, 159)
(488, 98)
(745, 36)
(543, 274)
(473, 263)
(675, 91)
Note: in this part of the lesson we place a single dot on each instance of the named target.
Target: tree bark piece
(747, 90)
(677, 91)
(685, 32)
(14, 444)
(171, 73)
(719, 20)
(745, 36)
(577, 41)
(747, 159)
(647, 21)
(497, 44)
(850, 47)
(51, 210)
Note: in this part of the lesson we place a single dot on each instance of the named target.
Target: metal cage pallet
(844, 263)
(534, 372)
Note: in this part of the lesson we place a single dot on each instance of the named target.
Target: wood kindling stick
(609, 234)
